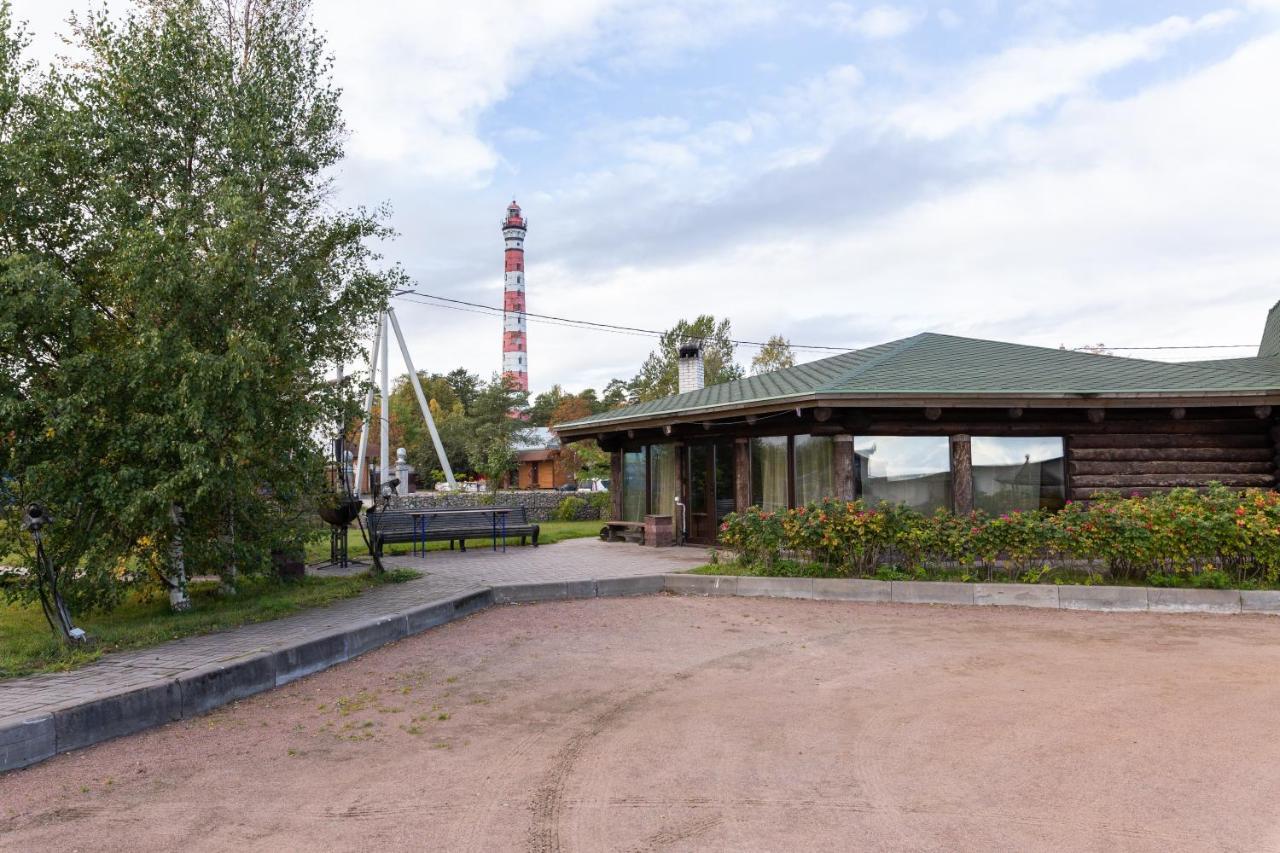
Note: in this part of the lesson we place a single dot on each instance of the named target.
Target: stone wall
(541, 505)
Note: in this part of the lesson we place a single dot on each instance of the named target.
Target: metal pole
(368, 408)
(422, 400)
(384, 451)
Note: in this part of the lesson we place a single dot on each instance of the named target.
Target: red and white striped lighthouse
(515, 345)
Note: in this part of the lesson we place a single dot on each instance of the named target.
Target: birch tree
(176, 285)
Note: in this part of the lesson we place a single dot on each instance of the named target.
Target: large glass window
(662, 479)
(815, 468)
(769, 472)
(1017, 474)
(911, 470)
(633, 486)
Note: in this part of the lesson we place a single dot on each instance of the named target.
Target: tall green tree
(776, 354)
(465, 385)
(659, 376)
(175, 286)
(494, 430)
(616, 395)
(545, 404)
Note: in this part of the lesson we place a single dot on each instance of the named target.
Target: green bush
(601, 504)
(1216, 538)
(570, 509)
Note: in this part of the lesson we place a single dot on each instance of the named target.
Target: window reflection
(910, 470)
(1017, 474)
(633, 486)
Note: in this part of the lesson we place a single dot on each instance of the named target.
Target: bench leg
(462, 545)
(522, 538)
(450, 544)
(535, 540)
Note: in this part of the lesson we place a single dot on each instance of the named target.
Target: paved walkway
(447, 574)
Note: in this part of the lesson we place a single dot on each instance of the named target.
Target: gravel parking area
(682, 723)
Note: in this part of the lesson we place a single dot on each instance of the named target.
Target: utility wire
(567, 322)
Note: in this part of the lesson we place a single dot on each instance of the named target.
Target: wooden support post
(961, 475)
(615, 484)
(846, 487)
(741, 474)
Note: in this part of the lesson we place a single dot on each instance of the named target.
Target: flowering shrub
(1218, 537)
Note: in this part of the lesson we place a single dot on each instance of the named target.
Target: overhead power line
(464, 306)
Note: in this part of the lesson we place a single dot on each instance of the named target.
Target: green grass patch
(551, 532)
(27, 646)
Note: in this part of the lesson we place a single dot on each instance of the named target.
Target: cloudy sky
(1041, 171)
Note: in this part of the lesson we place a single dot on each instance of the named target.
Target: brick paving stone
(446, 574)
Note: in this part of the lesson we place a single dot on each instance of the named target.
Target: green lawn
(28, 646)
(551, 532)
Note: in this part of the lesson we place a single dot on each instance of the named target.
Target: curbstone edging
(113, 716)
(634, 585)
(1015, 595)
(1260, 601)
(1105, 599)
(309, 657)
(27, 741)
(852, 589)
(219, 684)
(775, 587)
(1193, 600)
(682, 584)
(931, 592)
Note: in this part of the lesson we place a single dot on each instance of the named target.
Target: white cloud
(877, 22)
(1025, 78)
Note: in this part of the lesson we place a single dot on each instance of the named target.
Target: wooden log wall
(1155, 456)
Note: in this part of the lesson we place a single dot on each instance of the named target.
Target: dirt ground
(714, 724)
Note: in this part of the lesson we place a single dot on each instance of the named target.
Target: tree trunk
(178, 598)
(229, 573)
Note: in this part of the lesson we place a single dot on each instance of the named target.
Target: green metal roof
(946, 365)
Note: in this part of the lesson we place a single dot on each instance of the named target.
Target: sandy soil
(714, 724)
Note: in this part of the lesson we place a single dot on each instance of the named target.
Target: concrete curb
(28, 740)
(1101, 599)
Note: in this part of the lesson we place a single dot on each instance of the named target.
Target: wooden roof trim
(1130, 400)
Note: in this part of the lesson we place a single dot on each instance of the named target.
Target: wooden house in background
(942, 421)
(538, 463)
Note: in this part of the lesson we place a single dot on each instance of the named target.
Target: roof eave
(1024, 399)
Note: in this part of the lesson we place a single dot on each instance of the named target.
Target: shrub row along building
(941, 421)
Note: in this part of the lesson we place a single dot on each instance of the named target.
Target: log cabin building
(941, 421)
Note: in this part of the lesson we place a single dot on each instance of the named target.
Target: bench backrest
(401, 521)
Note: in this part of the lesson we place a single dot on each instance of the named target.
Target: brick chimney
(691, 370)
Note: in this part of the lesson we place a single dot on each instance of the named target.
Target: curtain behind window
(662, 479)
(769, 473)
(815, 468)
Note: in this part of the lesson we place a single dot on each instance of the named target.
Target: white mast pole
(422, 399)
(384, 420)
(368, 409)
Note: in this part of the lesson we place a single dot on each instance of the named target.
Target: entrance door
(711, 495)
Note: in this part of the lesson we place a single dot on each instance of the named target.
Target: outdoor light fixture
(34, 519)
